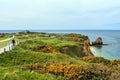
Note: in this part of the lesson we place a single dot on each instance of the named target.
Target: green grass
(12, 63)
(25, 52)
(5, 36)
(20, 57)
(5, 43)
(57, 42)
(20, 73)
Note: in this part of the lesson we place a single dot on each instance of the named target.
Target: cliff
(86, 47)
(80, 50)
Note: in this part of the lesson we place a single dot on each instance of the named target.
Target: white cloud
(72, 13)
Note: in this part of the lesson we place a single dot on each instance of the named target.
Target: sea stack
(98, 41)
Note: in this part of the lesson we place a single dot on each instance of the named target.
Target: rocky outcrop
(98, 41)
(73, 51)
(24, 32)
(78, 51)
(86, 47)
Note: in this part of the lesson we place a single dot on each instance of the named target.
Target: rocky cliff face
(78, 50)
(86, 47)
(98, 41)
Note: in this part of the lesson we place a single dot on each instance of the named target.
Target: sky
(60, 14)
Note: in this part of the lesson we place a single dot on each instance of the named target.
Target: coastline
(108, 51)
(93, 51)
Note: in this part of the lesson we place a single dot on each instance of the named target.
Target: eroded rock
(98, 41)
(86, 47)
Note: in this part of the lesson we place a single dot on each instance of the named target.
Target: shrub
(78, 72)
(93, 59)
(46, 49)
(115, 62)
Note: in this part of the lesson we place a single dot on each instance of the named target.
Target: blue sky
(59, 14)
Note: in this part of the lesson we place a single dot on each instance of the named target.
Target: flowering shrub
(115, 62)
(78, 72)
(93, 59)
(46, 49)
(111, 63)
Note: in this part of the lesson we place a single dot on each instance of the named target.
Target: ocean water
(111, 51)
(111, 37)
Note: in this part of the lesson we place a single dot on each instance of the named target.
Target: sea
(110, 37)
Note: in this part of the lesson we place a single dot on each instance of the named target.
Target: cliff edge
(86, 47)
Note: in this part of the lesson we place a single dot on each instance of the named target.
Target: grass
(20, 73)
(57, 42)
(5, 35)
(22, 55)
(12, 63)
(5, 43)
(19, 57)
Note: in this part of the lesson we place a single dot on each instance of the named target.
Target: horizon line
(56, 29)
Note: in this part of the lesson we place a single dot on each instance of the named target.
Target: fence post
(9, 48)
(9, 45)
(4, 49)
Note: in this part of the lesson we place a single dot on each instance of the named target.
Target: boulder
(98, 41)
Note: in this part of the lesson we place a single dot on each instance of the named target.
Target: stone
(86, 47)
(98, 41)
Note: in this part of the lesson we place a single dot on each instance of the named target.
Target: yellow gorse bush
(93, 59)
(75, 71)
(46, 49)
(114, 62)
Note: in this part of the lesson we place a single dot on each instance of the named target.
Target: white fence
(9, 47)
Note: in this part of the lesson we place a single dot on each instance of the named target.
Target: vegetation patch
(93, 59)
(46, 49)
(73, 51)
(43, 56)
(77, 72)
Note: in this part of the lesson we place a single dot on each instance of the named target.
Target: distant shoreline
(54, 31)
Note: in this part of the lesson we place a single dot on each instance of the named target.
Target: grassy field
(4, 36)
(38, 57)
(5, 43)
(18, 73)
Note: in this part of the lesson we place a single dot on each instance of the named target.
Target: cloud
(57, 14)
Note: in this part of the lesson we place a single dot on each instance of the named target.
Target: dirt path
(8, 47)
(7, 39)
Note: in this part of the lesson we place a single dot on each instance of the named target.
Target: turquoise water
(111, 51)
(111, 37)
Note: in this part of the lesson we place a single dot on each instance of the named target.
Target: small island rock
(98, 41)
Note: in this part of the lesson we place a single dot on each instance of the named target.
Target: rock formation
(74, 51)
(98, 41)
(78, 50)
(86, 47)
(24, 32)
